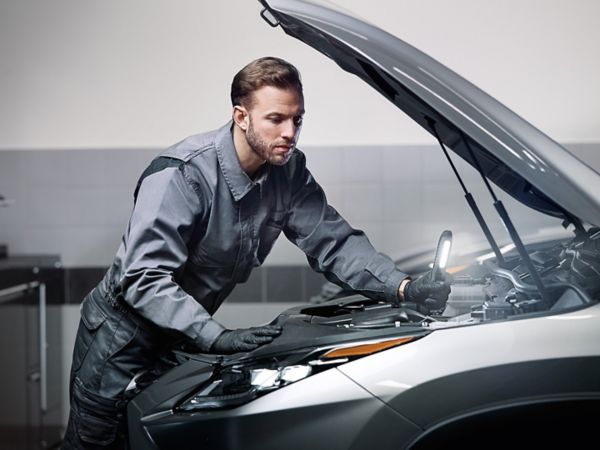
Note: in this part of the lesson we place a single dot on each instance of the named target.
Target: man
(207, 211)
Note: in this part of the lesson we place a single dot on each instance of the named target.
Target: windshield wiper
(504, 217)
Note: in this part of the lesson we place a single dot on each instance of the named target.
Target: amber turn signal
(365, 349)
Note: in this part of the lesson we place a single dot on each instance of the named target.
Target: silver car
(513, 359)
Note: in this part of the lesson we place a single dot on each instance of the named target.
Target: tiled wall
(76, 204)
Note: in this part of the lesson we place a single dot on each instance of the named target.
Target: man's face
(275, 120)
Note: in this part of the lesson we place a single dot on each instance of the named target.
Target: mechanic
(206, 212)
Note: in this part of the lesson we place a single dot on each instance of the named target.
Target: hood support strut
(470, 199)
(512, 231)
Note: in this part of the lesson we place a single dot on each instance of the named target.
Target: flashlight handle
(436, 273)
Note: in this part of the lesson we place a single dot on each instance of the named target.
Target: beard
(265, 150)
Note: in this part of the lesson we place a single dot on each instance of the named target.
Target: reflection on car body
(514, 356)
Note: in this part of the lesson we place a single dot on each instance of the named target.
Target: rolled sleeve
(379, 267)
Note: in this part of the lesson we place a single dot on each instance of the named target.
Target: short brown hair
(266, 71)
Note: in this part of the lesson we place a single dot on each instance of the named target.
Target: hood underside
(511, 152)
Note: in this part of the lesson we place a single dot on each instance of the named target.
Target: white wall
(145, 73)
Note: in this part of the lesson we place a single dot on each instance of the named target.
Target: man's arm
(344, 255)
(155, 253)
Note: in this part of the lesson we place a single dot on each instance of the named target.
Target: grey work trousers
(113, 344)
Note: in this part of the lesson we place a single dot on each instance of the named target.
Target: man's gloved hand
(243, 340)
(431, 294)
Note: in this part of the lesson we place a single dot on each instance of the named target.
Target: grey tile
(284, 284)
(362, 164)
(524, 218)
(43, 239)
(86, 206)
(98, 206)
(88, 245)
(374, 231)
(443, 202)
(49, 205)
(14, 237)
(251, 290)
(325, 163)
(12, 187)
(363, 201)
(87, 168)
(284, 252)
(402, 202)
(11, 168)
(436, 168)
(334, 193)
(402, 238)
(402, 163)
(46, 167)
(124, 167)
(118, 205)
(16, 213)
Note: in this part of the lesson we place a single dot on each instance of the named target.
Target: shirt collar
(238, 181)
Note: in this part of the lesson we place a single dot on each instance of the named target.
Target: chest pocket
(221, 252)
(216, 247)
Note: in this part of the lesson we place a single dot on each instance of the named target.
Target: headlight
(238, 383)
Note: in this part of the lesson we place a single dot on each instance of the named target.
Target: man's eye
(298, 121)
(276, 120)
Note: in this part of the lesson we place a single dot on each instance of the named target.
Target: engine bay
(482, 291)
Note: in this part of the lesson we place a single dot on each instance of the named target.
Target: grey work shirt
(200, 225)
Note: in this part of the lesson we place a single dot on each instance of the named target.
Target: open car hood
(515, 155)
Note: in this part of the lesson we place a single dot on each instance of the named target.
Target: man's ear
(241, 117)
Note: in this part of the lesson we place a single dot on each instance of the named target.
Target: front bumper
(327, 410)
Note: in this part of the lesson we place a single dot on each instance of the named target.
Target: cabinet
(30, 373)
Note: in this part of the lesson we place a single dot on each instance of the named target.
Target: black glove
(431, 294)
(243, 340)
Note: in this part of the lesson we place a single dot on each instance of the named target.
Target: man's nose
(289, 130)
